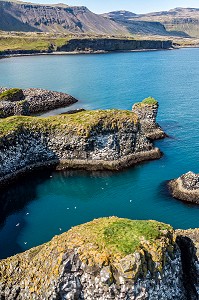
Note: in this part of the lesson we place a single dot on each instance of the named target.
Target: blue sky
(137, 6)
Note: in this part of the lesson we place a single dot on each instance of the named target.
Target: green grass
(147, 101)
(9, 95)
(82, 123)
(120, 235)
(40, 43)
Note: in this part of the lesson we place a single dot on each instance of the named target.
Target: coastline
(88, 165)
(3, 56)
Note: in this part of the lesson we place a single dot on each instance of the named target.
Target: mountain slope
(56, 18)
(178, 19)
(134, 25)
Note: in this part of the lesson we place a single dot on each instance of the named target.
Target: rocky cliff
(108, 258)
(32, 101)
(147, 112)
(89, 139)
(93, 45)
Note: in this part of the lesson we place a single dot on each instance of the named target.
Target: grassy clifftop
(81, 123)
(102, 242)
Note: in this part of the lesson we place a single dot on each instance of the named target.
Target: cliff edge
(108, 258)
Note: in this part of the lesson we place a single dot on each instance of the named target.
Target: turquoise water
(46, 204)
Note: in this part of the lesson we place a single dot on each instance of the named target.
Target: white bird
(60, 229)
(25, 243)
(131, 200)
(17, 224)
(67, 207)
(75, 207)
(27, 214)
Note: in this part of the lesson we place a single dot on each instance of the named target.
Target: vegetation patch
(147, 101)
(12, 95)
(82, 123)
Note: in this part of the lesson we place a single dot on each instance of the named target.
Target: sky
(137, 6)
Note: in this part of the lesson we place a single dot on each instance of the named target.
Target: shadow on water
(15, 196)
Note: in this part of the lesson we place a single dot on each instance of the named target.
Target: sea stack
(147, 112)
(186, 187)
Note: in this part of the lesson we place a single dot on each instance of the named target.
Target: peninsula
(93, 140)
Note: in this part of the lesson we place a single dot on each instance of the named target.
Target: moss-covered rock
(12, 95)
(97, 255)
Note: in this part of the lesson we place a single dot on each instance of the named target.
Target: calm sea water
(49, 203)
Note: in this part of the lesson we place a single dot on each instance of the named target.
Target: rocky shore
(147, 112)
(93, 140)
(186, 187)
(108, 258)
(34, 101)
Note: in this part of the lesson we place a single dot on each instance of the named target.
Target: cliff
(31, 101)
(147, 112)
(108, 258)
(186, 187)
(89, 139)
(93, 45)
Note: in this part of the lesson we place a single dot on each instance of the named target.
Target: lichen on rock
(108, 258)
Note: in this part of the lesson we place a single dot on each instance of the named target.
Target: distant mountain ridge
(180, 21)
(61, 18)
(22, 16)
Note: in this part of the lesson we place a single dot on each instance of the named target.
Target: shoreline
(88, 165)
(59, 53)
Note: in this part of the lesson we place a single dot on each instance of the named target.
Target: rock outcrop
(186, 187)
(147, 112)
(108, 258)
(33, 101)
(110, 44)
(188, 242)
(89, 139)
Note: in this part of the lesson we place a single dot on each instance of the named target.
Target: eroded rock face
(84, 264)
(113, 141)
(147, 114)
(188, 242)
(186, 187)
(93, 45)
(34, 101)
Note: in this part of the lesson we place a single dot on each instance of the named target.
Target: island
(91, 140)
(107, 258)
(15, 101)
(186, 187)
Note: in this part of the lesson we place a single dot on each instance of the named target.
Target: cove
(49, 203)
